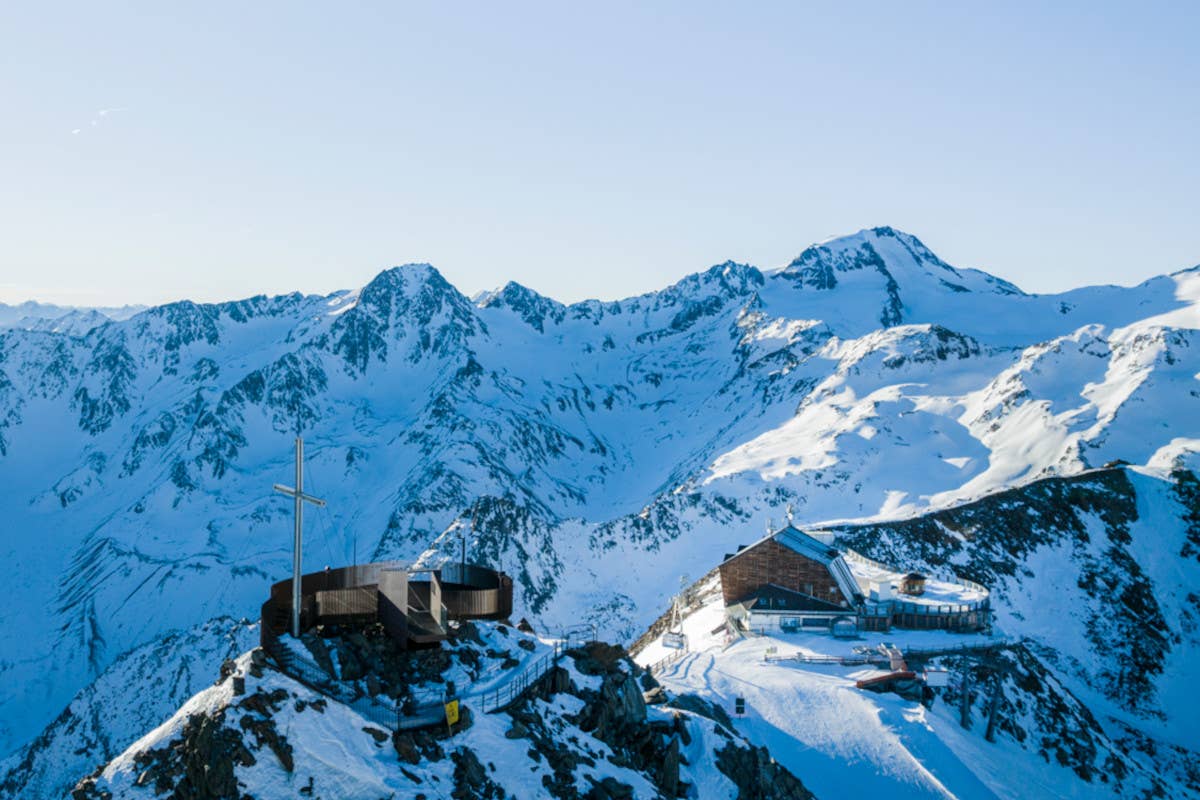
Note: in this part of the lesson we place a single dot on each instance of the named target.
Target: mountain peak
(899, 258)
(399, 288)
(412, 301)
(410, 274)
(534, 308)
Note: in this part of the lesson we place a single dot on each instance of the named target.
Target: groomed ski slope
(844, 742)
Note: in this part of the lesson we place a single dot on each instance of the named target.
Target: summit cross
(300, 498)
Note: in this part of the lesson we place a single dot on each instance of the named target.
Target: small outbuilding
(913, 583)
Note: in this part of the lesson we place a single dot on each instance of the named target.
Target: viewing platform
(413, 604)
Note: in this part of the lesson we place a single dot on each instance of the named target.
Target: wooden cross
(301, 498)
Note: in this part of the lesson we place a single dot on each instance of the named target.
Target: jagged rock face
(1036, 711)
(583, 733)
(1097, 572)
(601, 448)
(135, 693)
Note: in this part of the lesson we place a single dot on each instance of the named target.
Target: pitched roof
(800, 542)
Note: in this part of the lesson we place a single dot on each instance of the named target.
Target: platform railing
(331, 594)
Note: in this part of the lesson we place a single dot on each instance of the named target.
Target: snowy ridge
(602, 448)
(589, 732)
(75, 320)
(845, 742)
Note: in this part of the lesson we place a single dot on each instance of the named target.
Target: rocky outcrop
(582, 732)
(200, 764)
(758, 776)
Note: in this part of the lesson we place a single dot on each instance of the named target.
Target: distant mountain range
(72, 320)
(596, 451)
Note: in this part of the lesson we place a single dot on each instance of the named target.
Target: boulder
(406, 748)
(758, 776)
(610, 789)
(668, 771)
(598, 658)
(654, 697)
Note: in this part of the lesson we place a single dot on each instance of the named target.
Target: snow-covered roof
(937, 592)
(797, 540)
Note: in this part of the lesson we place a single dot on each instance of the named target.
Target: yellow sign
(452, 712)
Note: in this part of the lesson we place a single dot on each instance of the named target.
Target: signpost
(451, 715)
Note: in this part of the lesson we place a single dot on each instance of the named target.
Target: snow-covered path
(842, 741)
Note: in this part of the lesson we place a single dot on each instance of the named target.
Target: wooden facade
(771, 563)
(792, 581)
(913, 583)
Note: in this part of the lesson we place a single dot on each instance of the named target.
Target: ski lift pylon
(675, 638)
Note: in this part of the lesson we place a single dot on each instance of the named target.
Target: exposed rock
(758, 776)
(654, 697)
(598, 658)
(610, 789)
(376, 734)
(696, 705)
(406, 747)
(668, 773)
(471, 780)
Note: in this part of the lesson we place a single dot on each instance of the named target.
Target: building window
(808, 589)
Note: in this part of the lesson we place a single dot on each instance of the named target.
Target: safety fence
(854, 555)
(865, 657)
(352, 594)
(503, 696)
(658, 666)
(422, 708)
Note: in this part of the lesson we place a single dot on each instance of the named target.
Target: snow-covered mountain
(1093, 582)
(61, 319)
(601, 448)
(586, 731)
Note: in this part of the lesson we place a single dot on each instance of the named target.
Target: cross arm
(290, 492)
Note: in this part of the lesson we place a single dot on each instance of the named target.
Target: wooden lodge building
(791, 580)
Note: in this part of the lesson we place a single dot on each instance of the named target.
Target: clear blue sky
(263, 147)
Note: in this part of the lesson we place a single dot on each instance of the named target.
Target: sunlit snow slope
(602, 448)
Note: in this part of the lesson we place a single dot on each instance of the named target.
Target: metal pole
(296, 538)
(993, 709)
(964, 701)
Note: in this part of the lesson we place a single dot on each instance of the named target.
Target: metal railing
(880, 657)
(456, 591)
(423, 708)
(658, 666)
(503, 696)
(854, 555)
(317, 679)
